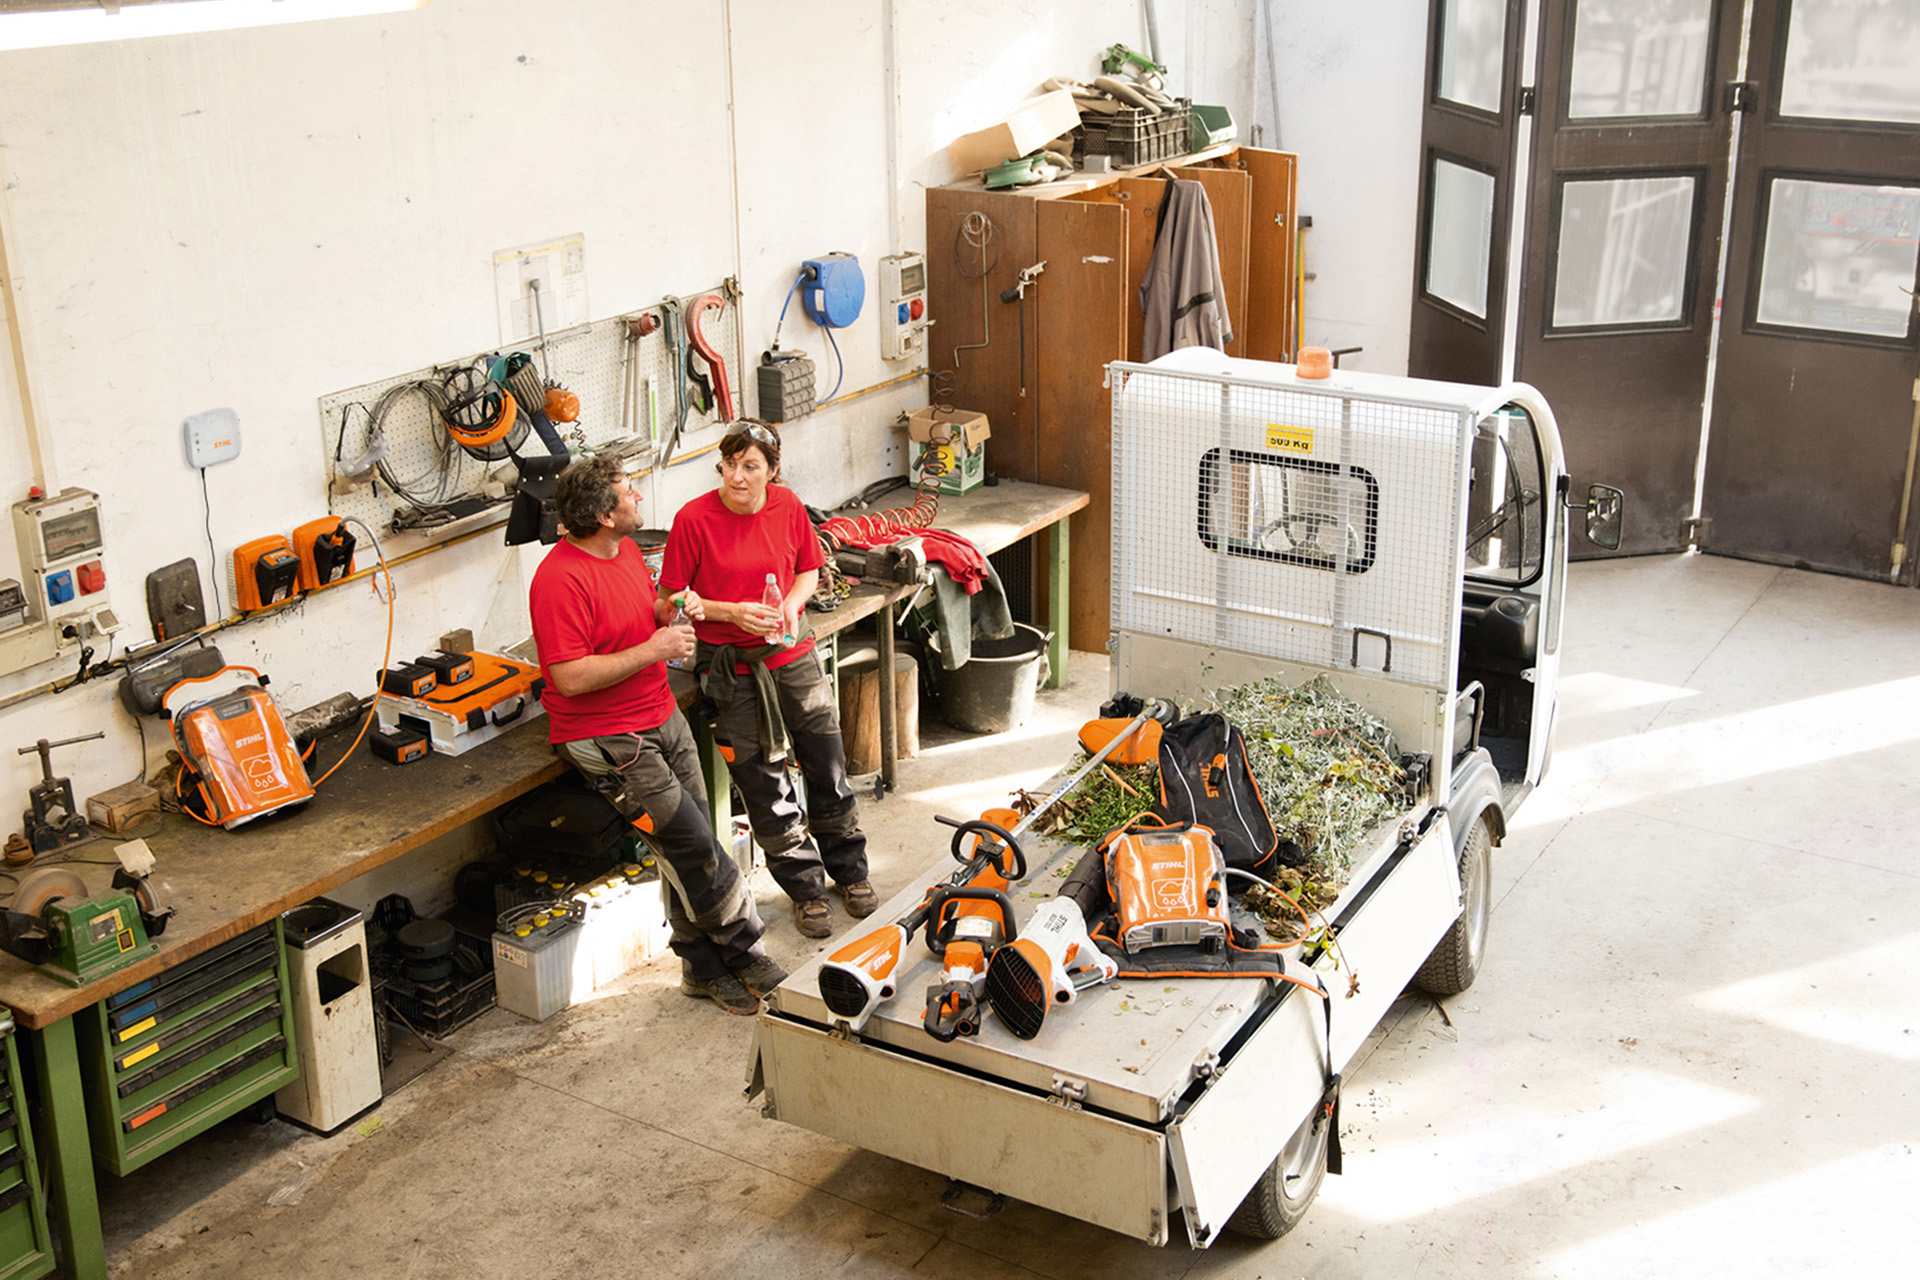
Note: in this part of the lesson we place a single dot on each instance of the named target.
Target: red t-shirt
(583, 605)
(727, 557)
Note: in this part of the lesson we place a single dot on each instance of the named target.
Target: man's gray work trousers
(656, 773)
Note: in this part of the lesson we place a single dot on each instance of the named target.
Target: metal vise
(903, 562)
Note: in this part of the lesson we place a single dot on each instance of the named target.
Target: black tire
(1455, 962)
(1279, 1201)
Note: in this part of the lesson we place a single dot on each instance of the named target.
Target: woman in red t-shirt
(757, 662)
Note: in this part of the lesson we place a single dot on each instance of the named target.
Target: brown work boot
(726, 991)
(813, 918)
(862, 901)
(761, 975)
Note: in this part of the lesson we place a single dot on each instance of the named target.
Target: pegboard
(595, 361)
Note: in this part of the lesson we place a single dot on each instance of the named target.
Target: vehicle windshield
(1507, 501)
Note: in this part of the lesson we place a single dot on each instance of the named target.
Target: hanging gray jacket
(1183, 298)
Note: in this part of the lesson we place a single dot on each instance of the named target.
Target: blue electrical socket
(832, 290)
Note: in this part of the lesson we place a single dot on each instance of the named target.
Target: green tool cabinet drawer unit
(25, 1249)
(172, 1056)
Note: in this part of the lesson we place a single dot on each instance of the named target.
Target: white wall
(260, 218)
(1351, 80)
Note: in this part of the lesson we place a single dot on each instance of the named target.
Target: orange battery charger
(266, 574)
(324, 550)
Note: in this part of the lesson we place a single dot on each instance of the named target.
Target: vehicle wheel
(1278, 1202)
(1455, 962)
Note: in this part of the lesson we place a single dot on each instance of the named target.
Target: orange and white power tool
(967, 925)
(1054, 959)
(859, 977)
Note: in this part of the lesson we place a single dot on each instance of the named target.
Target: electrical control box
(62, 557)
(13, 605)
(903, 306)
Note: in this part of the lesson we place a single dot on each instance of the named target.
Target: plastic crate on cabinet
(170, 1057)
(25, 1249)
(1134, 136)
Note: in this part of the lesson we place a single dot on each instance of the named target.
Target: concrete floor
(1691, 1052)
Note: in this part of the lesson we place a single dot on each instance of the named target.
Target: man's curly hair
(587, 490)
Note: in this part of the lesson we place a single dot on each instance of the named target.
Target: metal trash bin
(332, 997)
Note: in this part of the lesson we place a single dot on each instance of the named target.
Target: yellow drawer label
(127, 1033)
(139, 1054)
(1289, 439)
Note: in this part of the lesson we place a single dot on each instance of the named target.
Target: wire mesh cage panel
(1262, 513)
(603, 363)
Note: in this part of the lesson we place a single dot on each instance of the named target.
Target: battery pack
(266, 573)
(399, 746)
(408, 680)
(1169, 887)
(447, 668)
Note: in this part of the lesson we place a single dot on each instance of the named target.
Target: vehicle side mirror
(1605, 505)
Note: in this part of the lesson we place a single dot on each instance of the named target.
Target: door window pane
(1460, 236)
(1852, 60)
(1508, 501)
(1638, 58)
(1473, 37)
(1622, 257)
(1838, 257)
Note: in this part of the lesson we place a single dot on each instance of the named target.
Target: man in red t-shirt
(603, 640)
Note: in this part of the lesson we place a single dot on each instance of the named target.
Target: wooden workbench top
(222, 883)
(994, 517)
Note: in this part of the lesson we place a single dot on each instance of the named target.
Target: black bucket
(993, 691)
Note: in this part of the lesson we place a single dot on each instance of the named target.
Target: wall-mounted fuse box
(62, 558)
(903, 306)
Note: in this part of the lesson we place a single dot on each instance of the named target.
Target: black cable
(213, 569)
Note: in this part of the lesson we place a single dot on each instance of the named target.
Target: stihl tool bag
(1205, 781)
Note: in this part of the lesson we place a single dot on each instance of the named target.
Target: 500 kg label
(1289, 439)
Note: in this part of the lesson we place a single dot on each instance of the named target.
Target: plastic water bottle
(772, 598)
(679, 619)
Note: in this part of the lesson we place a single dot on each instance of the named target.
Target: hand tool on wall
(673, 323)
(722, 393)
(516, 374)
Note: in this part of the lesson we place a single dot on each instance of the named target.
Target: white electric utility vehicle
(1406, 539)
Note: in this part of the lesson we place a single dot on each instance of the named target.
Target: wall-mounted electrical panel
(903, 306)
(63, 564)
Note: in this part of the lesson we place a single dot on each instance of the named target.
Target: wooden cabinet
(1036, 366)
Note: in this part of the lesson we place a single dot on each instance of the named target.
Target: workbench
(223, 883)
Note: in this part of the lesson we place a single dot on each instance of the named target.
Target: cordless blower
(1055, 958)
(966, 911)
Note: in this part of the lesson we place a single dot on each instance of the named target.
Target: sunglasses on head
(752, 431)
